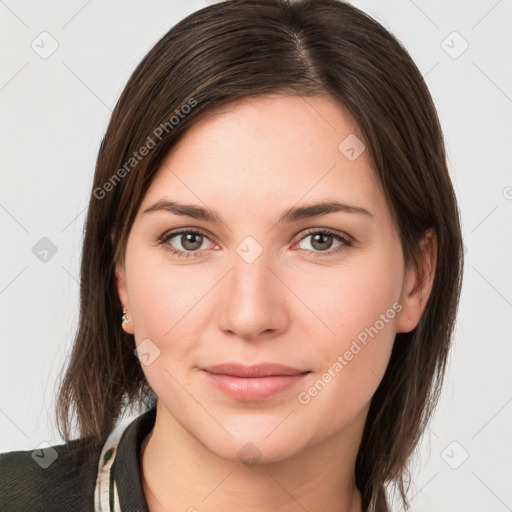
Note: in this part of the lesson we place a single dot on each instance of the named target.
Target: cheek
(163, 296)
(166, 308)
(351, 297)
(171, 306)
(358, 306)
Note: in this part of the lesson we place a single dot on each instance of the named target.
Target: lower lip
(254, 389)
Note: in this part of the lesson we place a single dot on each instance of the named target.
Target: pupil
(322, 245)
(189, 241)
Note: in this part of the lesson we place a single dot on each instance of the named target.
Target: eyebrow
(293, 214)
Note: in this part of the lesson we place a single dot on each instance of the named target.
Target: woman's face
(262, 275)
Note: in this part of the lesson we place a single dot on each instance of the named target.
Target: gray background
(54, 110)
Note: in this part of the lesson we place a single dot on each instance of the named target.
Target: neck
(179, 473)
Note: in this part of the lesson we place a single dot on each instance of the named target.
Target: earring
(124, 320)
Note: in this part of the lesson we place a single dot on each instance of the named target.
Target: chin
(256, 444)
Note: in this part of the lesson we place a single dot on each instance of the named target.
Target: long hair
(233, 50)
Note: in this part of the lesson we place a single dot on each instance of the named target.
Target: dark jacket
(62, 478)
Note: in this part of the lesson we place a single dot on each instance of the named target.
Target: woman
(271, 272)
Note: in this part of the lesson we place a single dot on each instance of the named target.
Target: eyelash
(347, 241)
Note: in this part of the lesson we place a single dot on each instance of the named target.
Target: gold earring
(124, 320)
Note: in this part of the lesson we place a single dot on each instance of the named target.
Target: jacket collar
(127, 467)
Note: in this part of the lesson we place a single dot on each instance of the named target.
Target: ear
(122, 291)
(418, 284)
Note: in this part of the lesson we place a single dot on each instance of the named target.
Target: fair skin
(302, 302)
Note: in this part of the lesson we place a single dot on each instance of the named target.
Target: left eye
(322, 241)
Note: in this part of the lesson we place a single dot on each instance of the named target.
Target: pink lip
(253, 383)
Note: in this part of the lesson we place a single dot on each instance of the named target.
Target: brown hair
(234, 50)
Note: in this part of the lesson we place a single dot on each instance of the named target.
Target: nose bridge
(250, 278)
(251, 301)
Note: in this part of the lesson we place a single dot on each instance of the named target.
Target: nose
(252, 301)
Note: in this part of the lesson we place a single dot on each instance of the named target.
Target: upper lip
(257, 370)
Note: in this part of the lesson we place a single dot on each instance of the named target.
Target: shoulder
(57, 478)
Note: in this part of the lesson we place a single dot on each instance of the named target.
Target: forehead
(273, 150)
